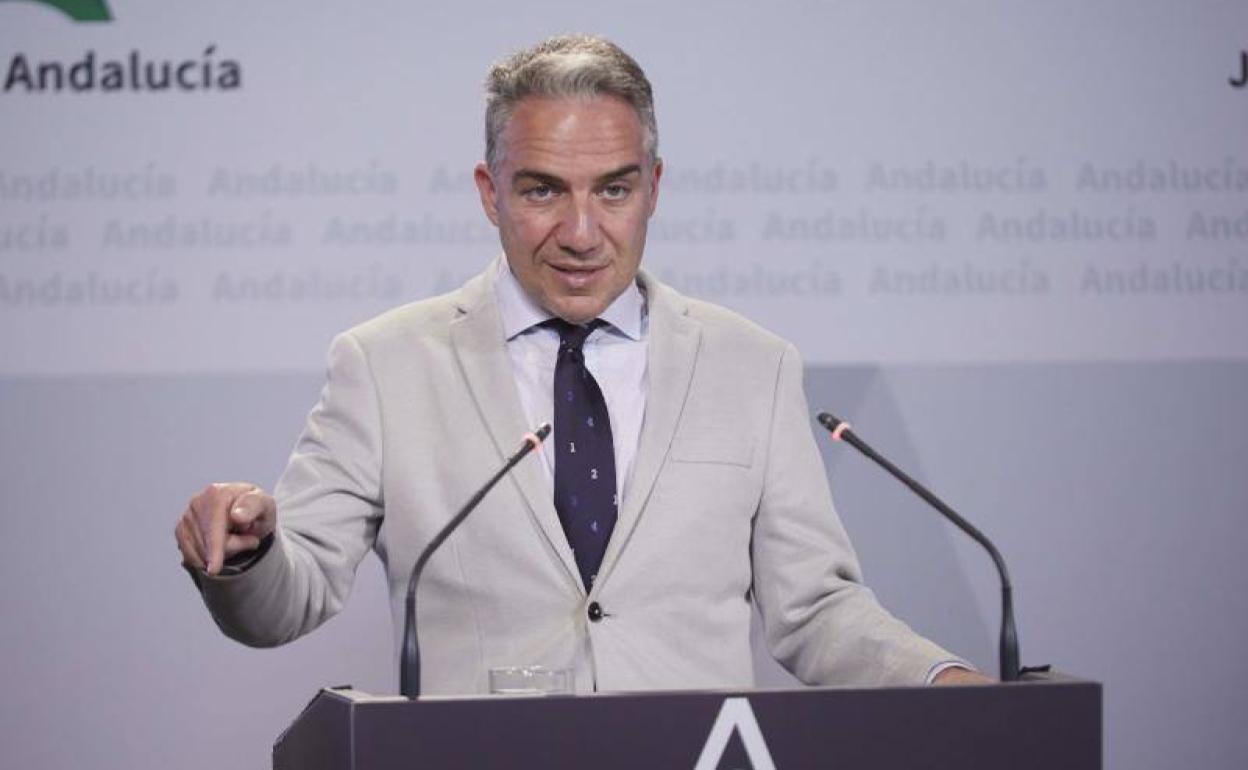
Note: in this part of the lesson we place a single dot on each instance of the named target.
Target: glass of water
(531, 680)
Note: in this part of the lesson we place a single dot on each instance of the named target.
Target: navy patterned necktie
(585, 495)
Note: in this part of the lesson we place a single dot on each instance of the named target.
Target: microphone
(409, 674)
(1008, 651)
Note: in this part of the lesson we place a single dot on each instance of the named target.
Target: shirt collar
(519, 312)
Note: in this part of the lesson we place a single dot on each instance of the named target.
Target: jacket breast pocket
(721, 448)
(708, 493)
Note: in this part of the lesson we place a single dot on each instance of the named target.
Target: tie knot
(571, 336)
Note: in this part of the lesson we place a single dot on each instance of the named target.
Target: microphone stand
(1008, 645)
(409, 673)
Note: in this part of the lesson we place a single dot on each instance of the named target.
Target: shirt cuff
(235, 565)
(240, 563)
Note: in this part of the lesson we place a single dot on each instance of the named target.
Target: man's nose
(578, 229)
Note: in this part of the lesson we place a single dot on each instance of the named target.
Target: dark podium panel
(1046, 722)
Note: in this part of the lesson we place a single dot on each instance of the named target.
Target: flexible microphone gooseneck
(409, 675)
(1009, 636)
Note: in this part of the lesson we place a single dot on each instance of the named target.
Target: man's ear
(654, 184)
(488, 191)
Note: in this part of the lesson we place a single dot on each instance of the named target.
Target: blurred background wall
(1010, 239)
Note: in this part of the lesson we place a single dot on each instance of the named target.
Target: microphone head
(534, 440)
(829, 421)
(836, 426)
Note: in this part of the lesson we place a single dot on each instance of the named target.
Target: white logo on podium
(735, 714)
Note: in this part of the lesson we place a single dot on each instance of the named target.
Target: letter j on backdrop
(1241, 79)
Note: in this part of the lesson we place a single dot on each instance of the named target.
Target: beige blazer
(727, 507)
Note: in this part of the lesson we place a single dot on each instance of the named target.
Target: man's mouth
(577, 276)
(577, 268)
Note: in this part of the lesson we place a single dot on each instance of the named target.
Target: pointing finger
(192, 532)
(188, 544)
(211, 516)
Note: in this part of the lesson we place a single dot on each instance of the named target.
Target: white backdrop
(898, 183)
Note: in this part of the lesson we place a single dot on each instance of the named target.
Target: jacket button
(595, 612)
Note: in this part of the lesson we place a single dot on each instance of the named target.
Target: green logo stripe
(81, 10)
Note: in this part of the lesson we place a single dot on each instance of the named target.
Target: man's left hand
(958, 676)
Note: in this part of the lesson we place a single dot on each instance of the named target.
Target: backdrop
(1010, 240)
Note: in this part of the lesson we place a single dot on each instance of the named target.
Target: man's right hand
(223, 521)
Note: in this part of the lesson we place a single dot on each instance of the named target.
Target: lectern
(1046, 721)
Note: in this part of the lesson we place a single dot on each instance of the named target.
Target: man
(681, 486)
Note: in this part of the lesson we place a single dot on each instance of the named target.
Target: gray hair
(566, 66)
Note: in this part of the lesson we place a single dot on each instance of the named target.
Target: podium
(1046, 721)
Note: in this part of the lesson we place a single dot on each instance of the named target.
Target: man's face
(571, 199)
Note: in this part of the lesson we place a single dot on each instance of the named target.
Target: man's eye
(615, 192)
(539, 192)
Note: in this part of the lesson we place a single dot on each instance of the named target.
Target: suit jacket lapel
(674, 339)
(477, 336)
